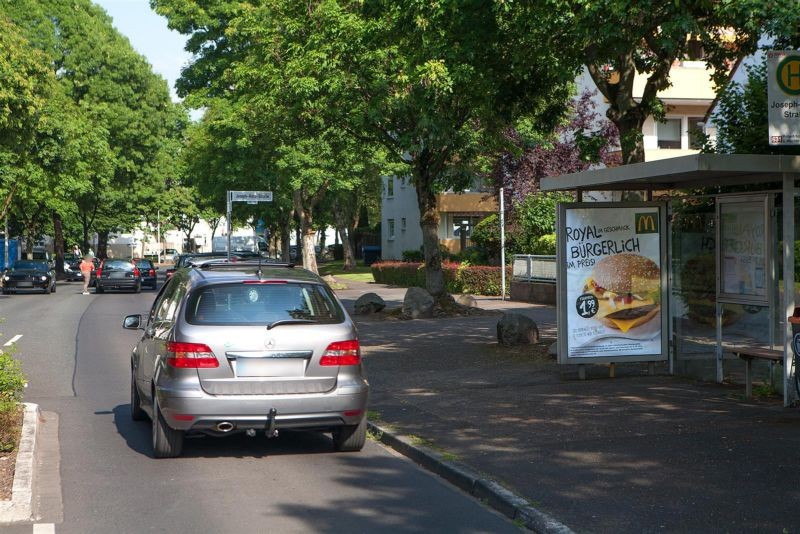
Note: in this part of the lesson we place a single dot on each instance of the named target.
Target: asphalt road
(77, 358)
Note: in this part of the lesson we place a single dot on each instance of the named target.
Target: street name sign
(251, 197)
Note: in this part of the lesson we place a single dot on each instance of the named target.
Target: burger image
(628, 290)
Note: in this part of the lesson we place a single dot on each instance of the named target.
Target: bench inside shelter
(750, 353)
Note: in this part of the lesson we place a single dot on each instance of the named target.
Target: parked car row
(108, 274)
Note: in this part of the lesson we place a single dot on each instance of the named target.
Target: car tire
(137, 414)
(350, 438)
(167, 442)
(54, 288)
(48, 290)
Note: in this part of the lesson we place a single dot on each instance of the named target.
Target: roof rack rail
(238, 264)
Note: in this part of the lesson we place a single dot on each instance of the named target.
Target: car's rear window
(262, 304)
(117, 265)
(144, 264)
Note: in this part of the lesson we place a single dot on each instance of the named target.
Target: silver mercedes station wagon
(244, 347)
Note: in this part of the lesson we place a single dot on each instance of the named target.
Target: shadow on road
(137, 436)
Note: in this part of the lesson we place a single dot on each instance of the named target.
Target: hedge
(458, 277)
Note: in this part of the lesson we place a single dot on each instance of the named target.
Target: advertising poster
(612, 260)
(743, 252)
(783, 97)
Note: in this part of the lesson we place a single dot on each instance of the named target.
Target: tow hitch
(271, 431)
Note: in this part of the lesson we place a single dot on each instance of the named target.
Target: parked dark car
(148, 272)
(118, 274)
(29, 275)
(75, 274)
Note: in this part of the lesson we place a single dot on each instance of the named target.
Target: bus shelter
(699, 269)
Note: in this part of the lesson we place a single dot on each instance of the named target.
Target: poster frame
(766, 205)
(561, 284)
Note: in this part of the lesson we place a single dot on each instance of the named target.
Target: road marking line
(12, 340)
(44, 528)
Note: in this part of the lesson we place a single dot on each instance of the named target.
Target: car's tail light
(151, 272)
(342, 353)
(99, 271)
(136, 272)
(190, 356)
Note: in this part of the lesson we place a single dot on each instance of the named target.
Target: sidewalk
(631, 454)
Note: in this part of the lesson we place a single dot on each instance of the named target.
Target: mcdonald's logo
(788, 75)
(646, 223)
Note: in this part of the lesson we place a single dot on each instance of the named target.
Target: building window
(669, 133)
(403, 224)
(390, 187)
(390, 229)
(696, 133)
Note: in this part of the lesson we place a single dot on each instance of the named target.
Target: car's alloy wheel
(137, 414)
(350, 438)
(167, 442)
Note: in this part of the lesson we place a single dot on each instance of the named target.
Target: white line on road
(12, 340)
(44, 528)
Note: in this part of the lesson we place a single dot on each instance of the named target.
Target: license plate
(270, 367)
(24, 284)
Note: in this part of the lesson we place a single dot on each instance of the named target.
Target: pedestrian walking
(87, 266)
(76, 251)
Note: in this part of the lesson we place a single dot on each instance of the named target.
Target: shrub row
(458, 277)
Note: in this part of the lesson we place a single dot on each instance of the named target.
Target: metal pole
(502, 245)
(158, 234)
(229, 225)
(788, 283)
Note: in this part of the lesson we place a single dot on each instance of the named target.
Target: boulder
(369, 303)
(516, 329)
(418, 303)
(467, 300)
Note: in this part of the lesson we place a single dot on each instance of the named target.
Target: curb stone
(495, 495)
(19, 508)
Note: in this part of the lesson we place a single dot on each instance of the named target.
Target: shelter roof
(687, 172)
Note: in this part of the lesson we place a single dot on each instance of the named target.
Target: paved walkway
(631, 454)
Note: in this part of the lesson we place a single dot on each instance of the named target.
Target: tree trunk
(58, 242)
(309, 256)
(631, 139)
(349, 249)
(85, 225)
(429, 223)
(102, 244)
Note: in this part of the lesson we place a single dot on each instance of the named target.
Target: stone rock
(369, 303)
(418, 303)
(467, 300)
(516, 329)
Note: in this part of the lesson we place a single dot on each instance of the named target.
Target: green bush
(458, 278)
(413, 256)
(545, 245)
(12, 384)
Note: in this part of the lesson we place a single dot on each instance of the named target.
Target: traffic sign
(251, 197)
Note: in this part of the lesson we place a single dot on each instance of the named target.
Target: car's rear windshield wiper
(270, 326)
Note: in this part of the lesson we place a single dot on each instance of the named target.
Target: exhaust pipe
(225, 426)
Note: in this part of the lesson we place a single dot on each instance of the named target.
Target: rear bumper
(341, 406)
(118, 284)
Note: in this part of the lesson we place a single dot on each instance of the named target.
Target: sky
(149, 35)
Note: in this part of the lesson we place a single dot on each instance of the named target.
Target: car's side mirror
(132, 322)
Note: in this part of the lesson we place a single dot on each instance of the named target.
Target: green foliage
(413, 256)
(545, 245)
(535, 217)
(12, 380)
(458, 278)
(12, 385)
